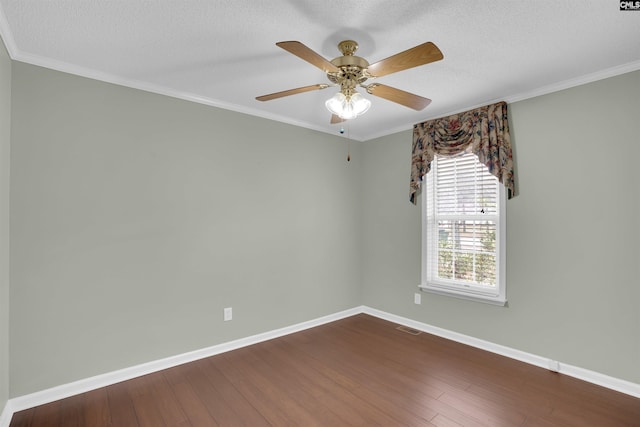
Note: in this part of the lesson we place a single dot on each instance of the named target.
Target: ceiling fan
(349, 71)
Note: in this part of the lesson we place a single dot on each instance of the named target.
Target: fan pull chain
(348, 142)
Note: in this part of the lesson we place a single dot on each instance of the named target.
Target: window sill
(487, 299)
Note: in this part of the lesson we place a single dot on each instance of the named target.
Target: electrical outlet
(228, 314)
(417, 298)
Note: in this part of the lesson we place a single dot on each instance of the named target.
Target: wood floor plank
(121, 410)
(442, 421)
(335, 389)
(402, 352)
(520, 399)
(538, 422)
(389, 384)
(72, 411)
(379, 385)
(358, 371)
(95, 406)
(333, 396)
(191, 403)
(296, 387)
(230, 395)
(483, 411)
(47, 415)
(601, 404)
(276, 410)
(147, 409)
(166, 401)
(23, 418)
(223, 414)
(301, 404)
(398, 360)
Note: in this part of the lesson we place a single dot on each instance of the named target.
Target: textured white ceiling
(223, 53)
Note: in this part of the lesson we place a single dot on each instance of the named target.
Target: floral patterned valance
(483, 131)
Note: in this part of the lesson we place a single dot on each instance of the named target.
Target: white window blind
(463, 229)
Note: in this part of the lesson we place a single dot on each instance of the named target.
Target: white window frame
(492, 295)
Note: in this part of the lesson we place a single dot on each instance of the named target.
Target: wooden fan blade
(419, 55)
(291, 92)
(336, 119)
(396, 95)
(303, 52)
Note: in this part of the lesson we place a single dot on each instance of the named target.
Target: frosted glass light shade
(348, 108)
(335, 103)
(360, 104)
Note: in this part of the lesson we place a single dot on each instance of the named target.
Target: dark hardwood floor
(359, 371)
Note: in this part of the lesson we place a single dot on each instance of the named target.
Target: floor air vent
(409, 330)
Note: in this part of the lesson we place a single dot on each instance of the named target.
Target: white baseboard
(597, 378)
(5, 416)
(60, 392)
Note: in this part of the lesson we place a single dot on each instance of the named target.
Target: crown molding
(17, 55)
(544, 90)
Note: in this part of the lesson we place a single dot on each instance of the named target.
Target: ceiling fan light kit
(348, 107)
(349, 71)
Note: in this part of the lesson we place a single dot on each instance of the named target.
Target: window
(463, 251)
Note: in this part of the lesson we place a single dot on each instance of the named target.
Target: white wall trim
(60, 392)
(89, 73)
(81, 386)
(17, 55)
(7, 413)
(597, 378)
(544, 90)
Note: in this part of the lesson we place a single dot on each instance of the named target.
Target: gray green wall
(136, 218)
(5, 138)
(573, 252)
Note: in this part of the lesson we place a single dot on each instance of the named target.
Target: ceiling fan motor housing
(352, 68)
